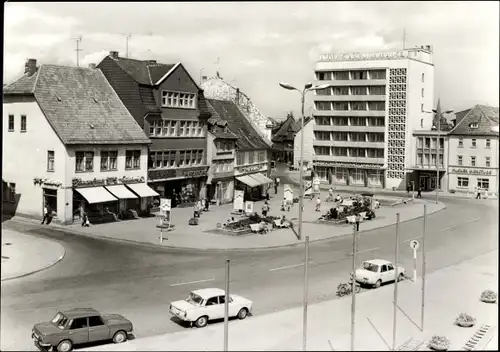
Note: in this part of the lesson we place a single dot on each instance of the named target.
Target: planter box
(488, 300)
(466, 324)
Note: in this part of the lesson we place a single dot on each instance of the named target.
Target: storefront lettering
(46, 182)
(252, 168)
(391, 55)
(194, 173)
(472, 171)
(108, 181)
(348, 165)
(161, 174)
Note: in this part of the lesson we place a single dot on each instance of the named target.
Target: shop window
(132, 159)
(84, 161)
(50, 198)
(463, 182)
(483, 183)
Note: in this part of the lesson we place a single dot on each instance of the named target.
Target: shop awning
(262, 179)
(96, 194)
(248, 181)
(143, 190)
(120, 192)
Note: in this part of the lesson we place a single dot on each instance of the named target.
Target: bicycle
(344, 289)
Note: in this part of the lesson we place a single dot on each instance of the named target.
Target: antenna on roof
(78, 40)
(127, 37)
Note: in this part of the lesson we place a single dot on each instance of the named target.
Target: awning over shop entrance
(143, 190)
(263, 180)
(249, 181)
(120, 192)
(96, 194)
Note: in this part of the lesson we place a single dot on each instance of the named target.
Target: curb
(42, 268)
(217, 250)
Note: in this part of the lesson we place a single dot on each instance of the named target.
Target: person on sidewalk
(265, 209)
(330, 195)
(45, 213)
(419, 193)
(318, 204)
(196, 210)
(478, 196)
(337, 198)
(408, 188)
(276, 185)
(51, 215)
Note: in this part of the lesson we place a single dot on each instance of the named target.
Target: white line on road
(289, 266)
(192, 282)
(367, 250)
(452, 227)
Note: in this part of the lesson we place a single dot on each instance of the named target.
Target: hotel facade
(363, 122)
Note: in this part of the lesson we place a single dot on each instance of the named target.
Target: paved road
(139, 282)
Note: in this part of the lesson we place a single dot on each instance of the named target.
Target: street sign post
(414, 244)
(165, 210)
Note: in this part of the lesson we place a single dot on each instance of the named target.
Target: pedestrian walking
(196, 210)
(85, 220)
(318, 204)
(45, 213)
(50, 216)
(265, 209)
(419, 193)
(478, 196)
(408, 188)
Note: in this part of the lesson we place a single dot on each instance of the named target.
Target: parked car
(208, 304)
(80, 325)
(375, 272)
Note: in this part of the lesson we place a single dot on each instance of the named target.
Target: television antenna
(78, 40)
(127, 37)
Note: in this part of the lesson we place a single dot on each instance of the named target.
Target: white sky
(262, 43)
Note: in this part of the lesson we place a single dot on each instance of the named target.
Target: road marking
(452, 227)
(192, 282)
(289, 266)
(367, 250)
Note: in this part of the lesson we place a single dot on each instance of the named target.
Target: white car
(375, 272)
(208, 304)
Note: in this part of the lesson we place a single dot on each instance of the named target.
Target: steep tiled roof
(248, 137)
(143, 71)
(287, 130)
(23, 85)
(83, 108)
(217, 124)
(148, 99)
(485, 116)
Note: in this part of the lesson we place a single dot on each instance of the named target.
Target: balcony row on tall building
(109, 138)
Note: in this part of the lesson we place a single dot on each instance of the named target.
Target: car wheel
(120, 337)
(242, 314)
(201, 322)
(377, 284)
(65, 346)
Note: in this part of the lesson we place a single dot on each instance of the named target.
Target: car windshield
(194, 299)
(60, 320)
(370, 267)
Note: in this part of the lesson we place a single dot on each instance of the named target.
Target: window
(419, 159)
(377, 90)
(213, 301)
(84, 161)
(433, 143)
(23, 123)
(341, 106)
(358, 137)
(182, 128)
(356, 75)
(79, 323)
(427, 143)
(339, 136)
(152, 129)
(376, 105)
(341, 75)
(463, 182)
(358, 105)
(132, 159)
(358, 121)
(240, 158)
(262, 156)
(322, 120)
(250, 157)
(441, 143)
(339, 151)
(50, 160)
(11, 123)
(357, 152)
(433, 159)
(178, 100)
(422, 92)
(426, 159)
(472, 161)
(460, 160)
(325, 91)
(322, 150)
(487, 162)
(95, 321)
(376, 121)
(474, 145)
(423, 76)
(323, 105)
(488, 143)
(108, 160)
(322, 136)
(341, 91)
(461, 143)
(359, 90)
(377, 74)
(374, 153)
(9, 192)
(420, 142)
(375, 137)
(182, 158)
(199, 157)
(483, 183)
(324, 76)
(340, 121)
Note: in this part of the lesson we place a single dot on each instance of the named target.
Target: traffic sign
(414, 244)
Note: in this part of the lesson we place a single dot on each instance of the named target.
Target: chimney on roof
(92, 66)
(30, 67)
(237, 96)
(113, 54)
(203, 78)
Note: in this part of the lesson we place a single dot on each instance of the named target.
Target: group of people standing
(199, 206)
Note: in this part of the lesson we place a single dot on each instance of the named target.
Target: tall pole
(437, 158)
(127, 37)
(423, 270)
(301, 198)
(353, 302)
(226, 309)
(396, 277)
(306, 285)
(78, 40)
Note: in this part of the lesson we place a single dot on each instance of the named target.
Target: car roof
(378, 261)
(206, 293)
(80, 312)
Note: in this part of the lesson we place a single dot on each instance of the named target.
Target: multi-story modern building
(473, 151)
(70, 142)
(364, 120)
(171, 108)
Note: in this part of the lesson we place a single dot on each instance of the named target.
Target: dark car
(80, 325)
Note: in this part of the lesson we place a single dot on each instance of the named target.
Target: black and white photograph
(250, 176)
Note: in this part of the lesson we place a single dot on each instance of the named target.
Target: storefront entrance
(49, 199)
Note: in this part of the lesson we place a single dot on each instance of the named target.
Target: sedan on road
(208, 304)
(376, 272)
(78, 326)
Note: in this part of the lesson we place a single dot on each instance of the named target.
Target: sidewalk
(343, 189)
(446, 297)
(204, 238)
(23, 255)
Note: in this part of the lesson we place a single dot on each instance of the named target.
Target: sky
(256, 45)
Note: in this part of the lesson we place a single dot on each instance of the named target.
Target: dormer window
(181, 100)
(474, 125)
